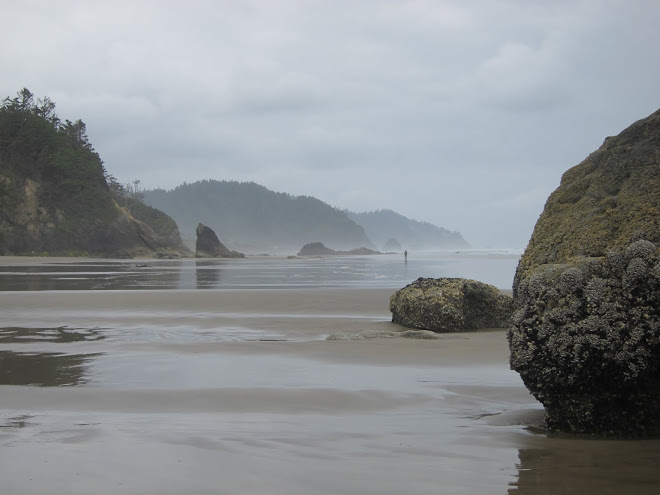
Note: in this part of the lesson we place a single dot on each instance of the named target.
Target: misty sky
(460, 113)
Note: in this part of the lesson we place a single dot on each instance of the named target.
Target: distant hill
(251, 218)
(384, 227)
(55, 195)
(318, 249)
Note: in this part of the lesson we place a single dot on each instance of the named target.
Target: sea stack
(209, 246)
(585, 336)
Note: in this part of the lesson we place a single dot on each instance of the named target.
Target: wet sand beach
(237, 391)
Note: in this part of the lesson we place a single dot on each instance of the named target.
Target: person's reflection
(208, 274)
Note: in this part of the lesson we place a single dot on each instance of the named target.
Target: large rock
(209, 246)
(450, 305)
(316, 249)
(319, 249)
(585, 336)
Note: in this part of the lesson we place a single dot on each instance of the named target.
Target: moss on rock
(450, 305)
(585, 334)
(606, 202)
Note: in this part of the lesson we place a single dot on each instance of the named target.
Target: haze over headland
(253, 219)
(462, 115)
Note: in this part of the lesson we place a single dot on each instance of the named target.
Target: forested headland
(56, 197)
(387, 229)
(251, 218)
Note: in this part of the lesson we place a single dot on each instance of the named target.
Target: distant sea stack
(585, 336)
(319, 249)
(209, 246)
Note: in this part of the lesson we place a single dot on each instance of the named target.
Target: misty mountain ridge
(251, 218)
(388, 228)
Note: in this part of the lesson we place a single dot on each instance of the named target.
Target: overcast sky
(460, 113)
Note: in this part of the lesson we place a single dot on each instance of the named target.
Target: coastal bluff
(57, 198)
(585, 335)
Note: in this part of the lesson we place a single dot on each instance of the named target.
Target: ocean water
(379, 271)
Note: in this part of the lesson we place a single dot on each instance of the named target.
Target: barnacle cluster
(585, 338)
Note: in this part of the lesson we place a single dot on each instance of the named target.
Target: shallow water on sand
(382, 271)
(232, 388)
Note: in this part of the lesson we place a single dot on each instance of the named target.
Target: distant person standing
(405, 255)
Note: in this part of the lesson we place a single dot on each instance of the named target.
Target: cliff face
(585, 334)
(54, 194)
(32, 227)
(166, 235)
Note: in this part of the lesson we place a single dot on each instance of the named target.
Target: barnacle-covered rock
(450, 305)
(585, 334)
(590, 352)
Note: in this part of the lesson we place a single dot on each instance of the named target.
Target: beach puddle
(91, 276)
(44, 369)
(60, 335)
(15, 422)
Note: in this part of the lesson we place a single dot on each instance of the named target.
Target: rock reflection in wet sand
(588, 467)
(46, 369)
(60, 335)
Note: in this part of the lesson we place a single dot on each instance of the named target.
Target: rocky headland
(56, 198)
(585, 336)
